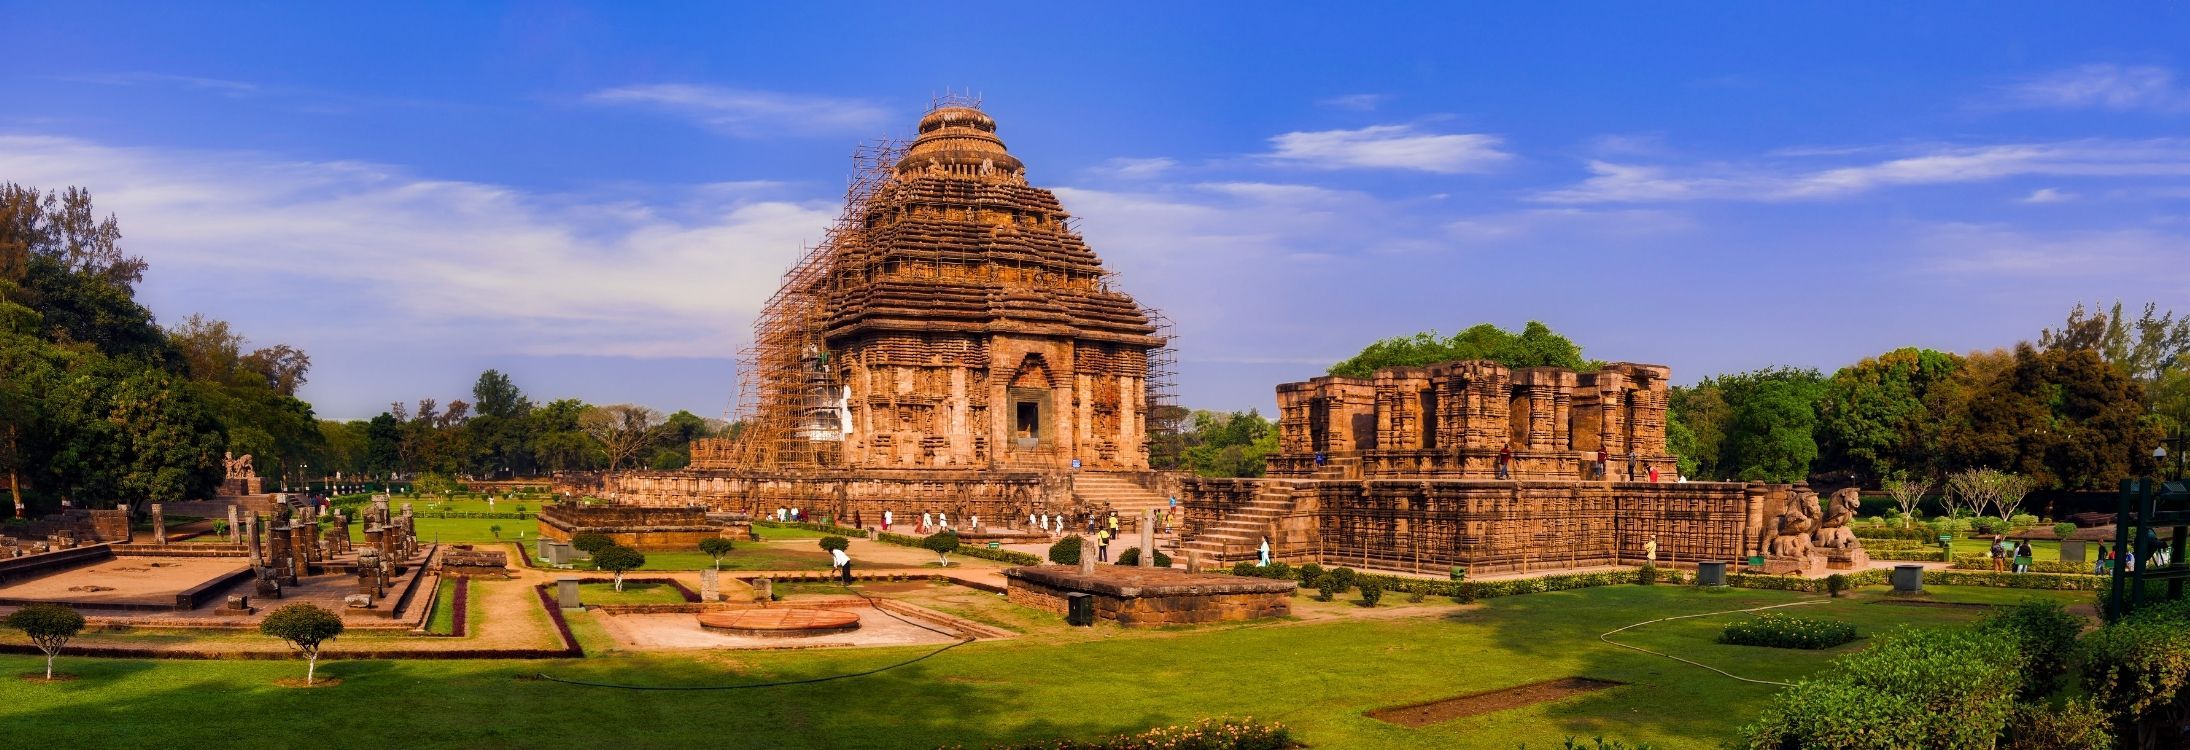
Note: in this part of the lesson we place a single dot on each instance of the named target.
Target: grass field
(745, 557)
(1317, 674)
(634, 593)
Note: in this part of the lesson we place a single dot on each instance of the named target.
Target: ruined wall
(990, 494)
(675, 528)
(1486, 526)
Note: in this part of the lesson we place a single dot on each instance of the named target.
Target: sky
(596, 198)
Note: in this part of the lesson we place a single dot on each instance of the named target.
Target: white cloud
(1390, 147)
(1135, 169)
(1595, 223)
(2102, 86)
(1613, 182)
(2049, 195)
(1355, 102)
(519, 272)
(747, 113)
(1991, 249)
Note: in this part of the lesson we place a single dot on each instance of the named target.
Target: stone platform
(780, 623)
(1133, 596)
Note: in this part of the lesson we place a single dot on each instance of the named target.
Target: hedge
(1787, 631)
(821, 527)
(1907, 555)
(968, 550)
(1944, 688)
(2039, 581)
(1981, 562)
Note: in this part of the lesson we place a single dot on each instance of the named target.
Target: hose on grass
(871, 602)
(1607, 638)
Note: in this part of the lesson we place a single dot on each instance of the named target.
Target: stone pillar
(1087, 555)
(258, 557)
(1148, 538)
(300, 548)
(159, 525)
(235, 531)
(710, 585)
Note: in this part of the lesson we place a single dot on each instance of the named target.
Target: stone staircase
(1238, 535)
(1096, 489)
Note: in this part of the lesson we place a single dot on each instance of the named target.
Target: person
(783, 513)
(2098, 564)
(1320, 460)
(843, 562)
(1505, 461)
(942, 520)
(2022, 556)
(1102, 546)
(1113, 523)
(859, 520)
(1650, 551)
(974, 523)
(1030, 519)
(926, 519)
(888, 517)
(1602, 466)
(1999, 554)
(1630, 466)
(1653, 475)
(1264, 552)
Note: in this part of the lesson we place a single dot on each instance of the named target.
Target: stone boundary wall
(32, 566)
(1138, 606)
(1429, 526)
(641, 528)
(840, 493)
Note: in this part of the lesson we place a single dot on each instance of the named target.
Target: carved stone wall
(993, 495)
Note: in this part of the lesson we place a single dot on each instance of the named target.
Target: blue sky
(596, 198)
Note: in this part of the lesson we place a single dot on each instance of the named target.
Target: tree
(2064, 417)
(716, 547)
(941, 544)
(623, 430)
(1229, 445)
(304, 626)
(591, 543)
(1772, 433)
(50, 626)
(2008, 493)
(834, 543)
(496, 530)
(618, 559)
(1875, 417)
(1976, 489)
(1535, 346)
(557, 440)
(1908, 491)
(2145, 349)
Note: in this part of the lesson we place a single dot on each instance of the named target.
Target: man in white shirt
(843, 562)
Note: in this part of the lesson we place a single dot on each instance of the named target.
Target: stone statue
(1797, 520)
(1833, 532)
(237, 468)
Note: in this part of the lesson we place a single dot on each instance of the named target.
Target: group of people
(2007, 557)
(1600, 464)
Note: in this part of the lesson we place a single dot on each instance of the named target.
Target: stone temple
(1401, 472)
(953, 345)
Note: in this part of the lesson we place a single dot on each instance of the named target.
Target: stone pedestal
(159, 525)
(710, 585)
(566, 593)
(1148, 538)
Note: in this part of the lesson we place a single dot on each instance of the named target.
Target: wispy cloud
(228, 88)
(1389, 147)
(1961, 248)
(526, 272)
(2049, 195)
(1355, 102)
(1135, 168)
(1613, 182)
(748, 113)
(2101, 86)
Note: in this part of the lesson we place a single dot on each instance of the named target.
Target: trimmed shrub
(1984, 563)
(1245, 569)
(1310, 573)
(1946, 688)
(1328, 586)
(834, 543)
(50, 626)
(942, 544)
(2074, 724)
(2137, 669)
(1787, 631)
(1371, 592)
(619, 559)
(1647, 575)
(1345, 578)
(2062, 530)
(1067, 551)
(1836, 583)
(2044, 633)
(1132, 556)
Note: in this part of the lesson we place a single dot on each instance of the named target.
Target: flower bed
(1787, 631)
(1984, 563)
(968, 550)
(1207, 734)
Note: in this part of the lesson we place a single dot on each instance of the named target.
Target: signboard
(996, 545)
(1945, 538)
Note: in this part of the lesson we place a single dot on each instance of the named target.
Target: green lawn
(773, 533)
(745, 557)
(1317, 677)
(604, 592)
(464, 530)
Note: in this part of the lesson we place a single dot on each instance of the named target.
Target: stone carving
(237, 467)
(1796, 521)
(358, 601)
(1833, 532)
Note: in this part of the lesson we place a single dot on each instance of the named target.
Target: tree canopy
(1535, 346)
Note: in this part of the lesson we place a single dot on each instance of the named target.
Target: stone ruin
(238, 477)
(641, 528)
(466, 561)
(953, 346)
(67, 528)
(1401, 472)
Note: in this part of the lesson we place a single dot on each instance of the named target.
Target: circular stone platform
(780, 623)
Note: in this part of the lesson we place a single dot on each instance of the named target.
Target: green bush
(1245, 569)
(1647, 575)
(2022, 521)
(1328, 586)
(1132, 556)
(1787, 631)
(1067, 551)
(1277, 570)
(1310, 573)
(834, 543)
(942, 544)
(2137, 669)
(2062, 530)
(1836, 583)
(2015, 580)
(1984, 562)
(1944, 688)
(2074, 724)
(1345, 578)
(2044, 633)
(1371, 591)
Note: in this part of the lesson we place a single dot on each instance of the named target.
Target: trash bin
(1079, 609)
(1908, 579)
(1711, 573)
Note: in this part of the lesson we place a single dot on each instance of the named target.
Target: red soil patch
(1425, 714)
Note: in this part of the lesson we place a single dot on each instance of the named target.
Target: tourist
(1602, 465)
(973, 523)
(1505, 461)
(1113, 523)
(1102, 546)
(1650, 551)
(1030, 519)
(1999, 554)
(888, 517)
(843, 562)
(1630, 466)
(1264, 553)
(942, 521)
(859, 520)
(927, 519)
(2098, 564)
(1653, 475)
(2022, 556)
